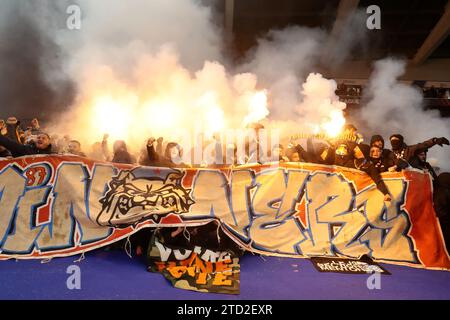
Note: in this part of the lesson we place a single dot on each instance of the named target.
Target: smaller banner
(194, 263)
(338, 265)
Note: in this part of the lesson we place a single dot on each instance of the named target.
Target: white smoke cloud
(160, 66)
(114, 31)
(163, 69)
(31, 71)
(394, 107)
(281, 61)
(155, 65)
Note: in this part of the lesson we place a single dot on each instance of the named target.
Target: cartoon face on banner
(135, 195)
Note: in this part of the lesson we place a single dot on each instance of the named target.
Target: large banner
(63, 205)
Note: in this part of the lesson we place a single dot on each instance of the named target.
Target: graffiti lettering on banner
(57, 206)
(362, 266)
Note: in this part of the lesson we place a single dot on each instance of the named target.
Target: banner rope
(218, 233)
(46, 260)
(128, 247)
(186, 234)
(81, 258)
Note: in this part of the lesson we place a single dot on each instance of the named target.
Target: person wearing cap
(403, 152)
(42, 145)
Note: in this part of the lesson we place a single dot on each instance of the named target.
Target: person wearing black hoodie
(362, 162)
(383, 159)
(387, 155)
(376, 157)
(419, 161)
(172, 155)
(42, 145)
(121, 154)
(403, 152)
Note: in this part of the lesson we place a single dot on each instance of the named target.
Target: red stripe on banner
(425, 231)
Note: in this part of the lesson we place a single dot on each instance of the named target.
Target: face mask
(396, 144)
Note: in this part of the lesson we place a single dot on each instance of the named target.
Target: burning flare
(334, 126)
(257, 109)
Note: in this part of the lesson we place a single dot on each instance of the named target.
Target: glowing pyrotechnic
(257, 109)
(172, 101)
(111, 116)
(157, 116)
(321, 106)
(211, 113)
(333, 127)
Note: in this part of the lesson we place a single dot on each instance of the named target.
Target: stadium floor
(113, 275)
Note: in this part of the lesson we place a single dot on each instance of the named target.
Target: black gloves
(441, 141)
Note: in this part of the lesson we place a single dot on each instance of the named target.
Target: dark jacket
(123, 156)
(383, 163)
(155, 160)
(18, 150)
(5, 153)
(13, 132)
(369, 168)
(426, 166)
(341, 154)
(151, 157)
(407, 152)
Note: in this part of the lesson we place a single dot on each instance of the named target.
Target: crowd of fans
(373, 158)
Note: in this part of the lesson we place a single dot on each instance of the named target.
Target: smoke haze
(393, 107)
(138, 68)
(32, 81)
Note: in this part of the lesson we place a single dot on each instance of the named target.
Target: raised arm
(428, 144)
(152, 155)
